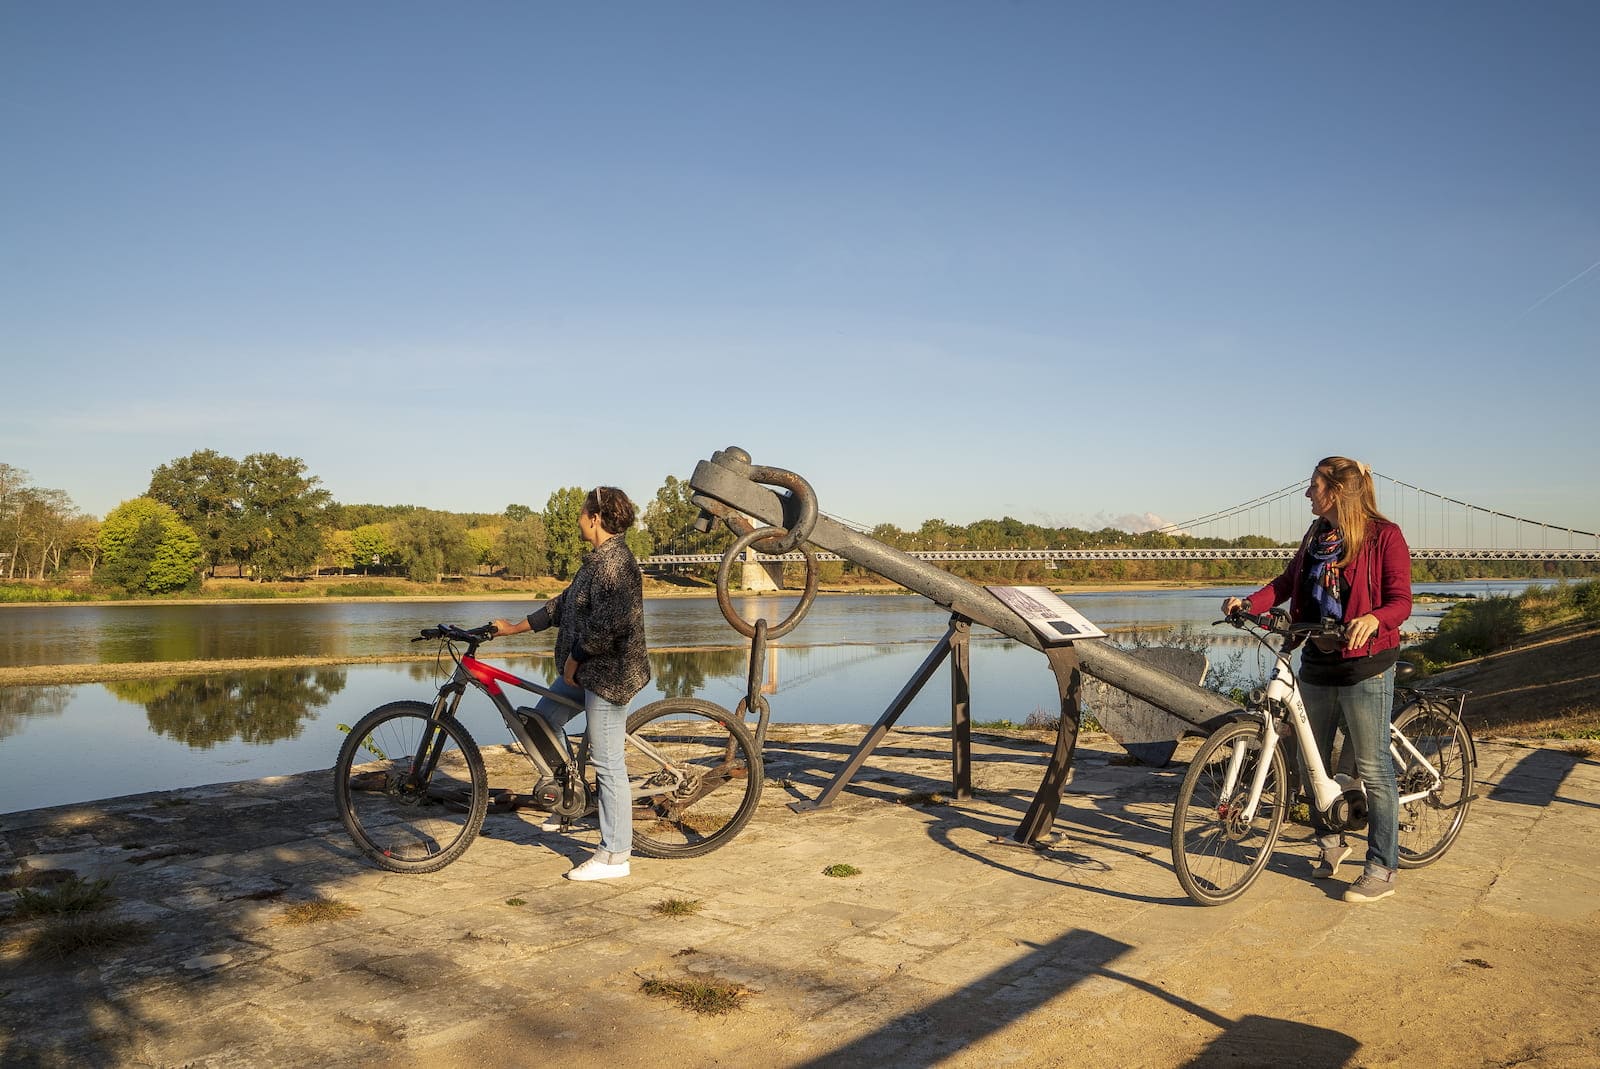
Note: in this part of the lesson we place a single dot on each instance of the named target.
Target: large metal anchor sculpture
(728, 487)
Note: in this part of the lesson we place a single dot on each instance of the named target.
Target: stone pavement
(950, 947)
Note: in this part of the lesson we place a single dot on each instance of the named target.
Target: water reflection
(19, 703)
(683, 673)
(253, 707)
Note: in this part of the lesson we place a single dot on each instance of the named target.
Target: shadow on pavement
(987, 1005)
(1537, 779)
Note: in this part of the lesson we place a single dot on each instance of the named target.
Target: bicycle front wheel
(411, 790)
(695, 775)
(1216, 853)
(1431, 823)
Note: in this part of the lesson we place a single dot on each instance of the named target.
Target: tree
(35, 525)
(561, 530)
(337, 552)
(518, 513)
(146, 548)
(524, 548)
(430, 544)
(203, 488)
(669, 521)
(638, 541)
(481, 541)
(372, 547)
(280, 512)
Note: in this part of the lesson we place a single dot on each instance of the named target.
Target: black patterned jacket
(601, 617)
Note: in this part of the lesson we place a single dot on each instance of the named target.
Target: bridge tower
(760, 575)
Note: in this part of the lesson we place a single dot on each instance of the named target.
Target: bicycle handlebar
(450, 632)
(1276, 621)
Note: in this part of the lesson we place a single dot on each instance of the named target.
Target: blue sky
(1066, 262)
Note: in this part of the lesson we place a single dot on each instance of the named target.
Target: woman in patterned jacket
(601, 650)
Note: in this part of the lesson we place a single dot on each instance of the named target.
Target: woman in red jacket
(1354, 566)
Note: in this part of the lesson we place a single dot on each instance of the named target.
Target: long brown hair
(1355, 501)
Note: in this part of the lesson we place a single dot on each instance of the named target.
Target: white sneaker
(595, 869)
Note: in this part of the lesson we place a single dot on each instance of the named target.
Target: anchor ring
(725, 601)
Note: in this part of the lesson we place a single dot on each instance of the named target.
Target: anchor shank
(714, 481)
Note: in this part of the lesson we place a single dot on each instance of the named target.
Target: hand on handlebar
(1359, 632)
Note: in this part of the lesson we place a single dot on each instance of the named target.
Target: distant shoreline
(656, 590)
(653, 590)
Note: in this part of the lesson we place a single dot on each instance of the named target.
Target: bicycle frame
(546, 747)
(1283, 692)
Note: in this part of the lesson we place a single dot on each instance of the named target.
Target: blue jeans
(1365, 708)
(607, 727)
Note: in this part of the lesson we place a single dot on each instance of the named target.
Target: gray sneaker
(1369, 887)
(1327, 865)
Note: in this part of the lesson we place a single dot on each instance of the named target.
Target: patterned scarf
(1322, 580)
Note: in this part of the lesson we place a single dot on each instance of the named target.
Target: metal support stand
(960, 708)
(954, 642)
(1069, 681)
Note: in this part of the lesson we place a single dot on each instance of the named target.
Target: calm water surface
(844, 664)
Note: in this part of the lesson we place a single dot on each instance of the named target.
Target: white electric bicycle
(1237, 791)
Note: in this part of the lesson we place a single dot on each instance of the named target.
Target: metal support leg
(960, 707)
(876, 735)
(1042, 813)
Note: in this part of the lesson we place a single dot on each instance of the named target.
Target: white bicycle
(1237, 791)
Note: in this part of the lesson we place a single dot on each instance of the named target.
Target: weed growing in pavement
(71, 897)
(76, 934)
(318, 910)
(516, 901)
(677, 907)
(841, 871)
(712, 997)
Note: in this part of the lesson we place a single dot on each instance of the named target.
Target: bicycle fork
(1258, 778)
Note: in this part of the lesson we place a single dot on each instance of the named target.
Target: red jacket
(1379, 579)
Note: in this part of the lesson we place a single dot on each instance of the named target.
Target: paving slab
(953, 946)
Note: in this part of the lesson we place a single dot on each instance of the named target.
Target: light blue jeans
(1364, 708)
(607, 727)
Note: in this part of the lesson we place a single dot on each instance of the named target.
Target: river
(843, 664)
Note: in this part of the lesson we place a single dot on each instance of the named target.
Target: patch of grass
(1583, 748)
(695, 822)
(928, 798)
(22, 593)
(676, 907)
(78, 934)
(318, 910)
(516, 901)
(841, 871)
(71, 897)
(361, 590)
(709, 997)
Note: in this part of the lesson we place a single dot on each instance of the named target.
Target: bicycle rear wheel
(1430, 824)
(1216, 854)
(707, 769)
(403, 821)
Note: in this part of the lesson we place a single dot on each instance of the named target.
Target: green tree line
(265, 517)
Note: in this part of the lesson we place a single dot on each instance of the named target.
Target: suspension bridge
(1437, 527)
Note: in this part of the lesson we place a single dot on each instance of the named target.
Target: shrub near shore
(1485, 625)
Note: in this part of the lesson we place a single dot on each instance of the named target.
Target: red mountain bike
(412, 789)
